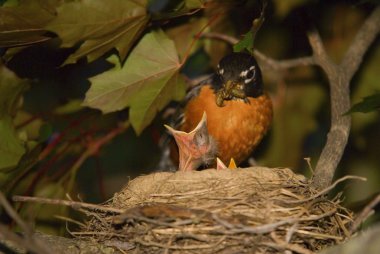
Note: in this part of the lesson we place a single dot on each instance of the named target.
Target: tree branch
(267, 63)
(339, 77)
(277, 65)
(365, 213)
(364, 38)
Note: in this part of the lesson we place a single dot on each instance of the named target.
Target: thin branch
(277, 65)
(363, 215)
(364, 38)
(73, 204)
(198, 36)
(28, 241)
(21, 242)
(267, 63)
(222, 37)
(92, 149)
(12, 213)
(339, 77)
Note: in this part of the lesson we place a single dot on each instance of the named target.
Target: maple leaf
(148, 80)
(23, 24)
(100, 25)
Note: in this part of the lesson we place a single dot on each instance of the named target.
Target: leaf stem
(93, 148)
(198, 36)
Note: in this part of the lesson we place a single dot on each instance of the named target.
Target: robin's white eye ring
(221, 71)
(248, 80)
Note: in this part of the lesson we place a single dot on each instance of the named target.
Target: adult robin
(226, 116)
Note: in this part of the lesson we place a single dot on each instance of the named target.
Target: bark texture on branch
(339, 77)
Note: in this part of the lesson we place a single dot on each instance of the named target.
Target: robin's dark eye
(249, 74)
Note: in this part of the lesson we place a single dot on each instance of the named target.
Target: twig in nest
(363, 215)
(92, 233)
(263, 229)
(191, 236)
(191, 229)
(342, 226)
(122, 246)
(326, 190)
(175, 247)
(290, 232)
(319, 235)
(161, 223)
(73, 204)
(282, 245)
(266, 228)
(308, 161)
(67, 219)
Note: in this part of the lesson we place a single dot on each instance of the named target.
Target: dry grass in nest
(252, 210)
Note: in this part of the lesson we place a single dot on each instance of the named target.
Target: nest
(252, 210)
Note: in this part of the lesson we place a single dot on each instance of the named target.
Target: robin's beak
(229, 85)
(196, 147)
(231, 89)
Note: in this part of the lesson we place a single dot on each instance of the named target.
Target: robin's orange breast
(238, 127)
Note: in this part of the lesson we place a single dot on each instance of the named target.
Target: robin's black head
(238, 76)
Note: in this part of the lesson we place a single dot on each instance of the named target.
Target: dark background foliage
(84, 86)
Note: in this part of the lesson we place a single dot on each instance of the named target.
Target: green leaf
(249, 38)
(100, 25)
(11, 147)
(368, 104)
(23, 24)
(245, 43)
(50, 190)
(70, 107)
(11, 88)
(283, 8)
(148, 80)
(183, 35)
(9, 2)
(194, 4)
